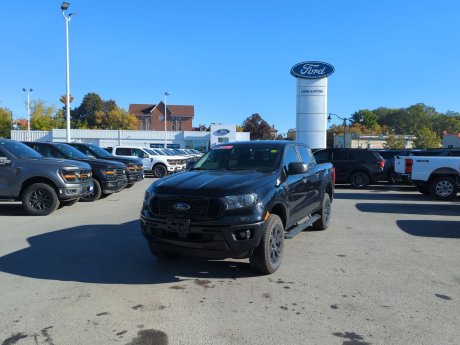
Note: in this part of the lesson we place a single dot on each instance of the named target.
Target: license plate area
(179, 226)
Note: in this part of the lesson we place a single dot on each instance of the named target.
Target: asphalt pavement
(385, 272)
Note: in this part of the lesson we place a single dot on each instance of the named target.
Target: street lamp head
(65, 6)
(23, 89)
(166, 93)
(329, 117)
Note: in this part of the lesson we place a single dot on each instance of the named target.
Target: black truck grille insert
(186, 207)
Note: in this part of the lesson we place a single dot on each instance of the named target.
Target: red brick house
(150, 116)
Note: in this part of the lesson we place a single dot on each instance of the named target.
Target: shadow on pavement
(430, 228)
(108, 254)
(438, 208)
(11, 208)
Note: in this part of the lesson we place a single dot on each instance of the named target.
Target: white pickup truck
(438, 176)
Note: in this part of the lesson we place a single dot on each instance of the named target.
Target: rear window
(364, 156)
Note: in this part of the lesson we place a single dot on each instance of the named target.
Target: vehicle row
(45, 175)
(156, 161)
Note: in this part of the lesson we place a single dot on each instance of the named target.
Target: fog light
(243, 234)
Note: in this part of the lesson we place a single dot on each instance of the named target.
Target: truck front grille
(199, 208)
(85, 175)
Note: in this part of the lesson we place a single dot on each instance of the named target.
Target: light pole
(28, 92)
(344, 119)
(64, 7)
(166, 95)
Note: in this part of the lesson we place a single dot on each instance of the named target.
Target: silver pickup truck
(42, 184)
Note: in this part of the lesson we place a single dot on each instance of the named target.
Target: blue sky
(231, 59)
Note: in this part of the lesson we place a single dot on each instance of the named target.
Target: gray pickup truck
(42, 184)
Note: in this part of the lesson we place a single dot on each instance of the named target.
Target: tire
(267, 257)
(325, 213)
(40, 199)
(159, 170)
(95, 195)
(424, 189)
(359, 180)
(443, 188)
(161, 253)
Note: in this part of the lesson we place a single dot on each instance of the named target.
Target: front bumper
(113, 186)
(201, 238)
(76, 191)
(135, 177)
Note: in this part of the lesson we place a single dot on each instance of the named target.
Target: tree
(426, 139)
(6, 123)
(291, 134)
(115, 118)
(365, 118)
(42, 117)
(258, 127)
(394, 142)
(83, 116)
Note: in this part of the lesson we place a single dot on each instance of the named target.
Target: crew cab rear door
(6, 174)
(312, 180)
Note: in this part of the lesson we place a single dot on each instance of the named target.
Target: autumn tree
(115, 118)
(42, 117)
(258, 127)
(6, 123)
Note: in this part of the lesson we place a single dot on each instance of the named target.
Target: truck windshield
(262, 158)
(100, 152)
(19, 149)
(70, 152)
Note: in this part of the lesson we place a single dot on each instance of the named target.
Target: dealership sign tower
(311, 107)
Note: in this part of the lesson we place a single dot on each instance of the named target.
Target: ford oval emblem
(312, 70)
(222, 131)
(181, 206)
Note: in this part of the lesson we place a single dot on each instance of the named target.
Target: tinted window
(455, 153)
(305, 154)
(138, 152)
(340, 155)
(361, 156)
(123, 151)
(323, 156)
(289, 156)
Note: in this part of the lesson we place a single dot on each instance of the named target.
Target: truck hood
(57, 163)
(102, 163)
(213, 183)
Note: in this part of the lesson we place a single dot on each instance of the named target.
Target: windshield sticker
(227, 147)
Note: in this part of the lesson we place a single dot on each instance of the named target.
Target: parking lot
(385, 272)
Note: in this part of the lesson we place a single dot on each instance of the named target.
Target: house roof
(174, 110)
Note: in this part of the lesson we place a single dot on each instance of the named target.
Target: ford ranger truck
(134, 166)
(240, 200)
(42, 184)
(108, 176)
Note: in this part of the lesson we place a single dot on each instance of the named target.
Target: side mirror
(295, 168)
(146, 155)
(4, 161)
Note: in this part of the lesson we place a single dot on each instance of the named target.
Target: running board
(299, 228)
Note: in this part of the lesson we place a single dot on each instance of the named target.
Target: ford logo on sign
(221, 132)
(181, 206)
(312, 70)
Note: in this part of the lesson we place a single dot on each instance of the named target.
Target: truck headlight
(70, 176)
(238, 201)
(109, 172)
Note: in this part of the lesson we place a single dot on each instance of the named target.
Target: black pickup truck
(134, 166)
(108, 176)
(240, 200)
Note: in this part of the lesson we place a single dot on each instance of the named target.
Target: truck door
(295, 187)
(6, 174)
(312, 181)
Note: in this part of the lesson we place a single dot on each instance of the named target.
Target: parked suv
(389, 155)
(134, 166)
(355, 166)
(108, 176)
(42, 184)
